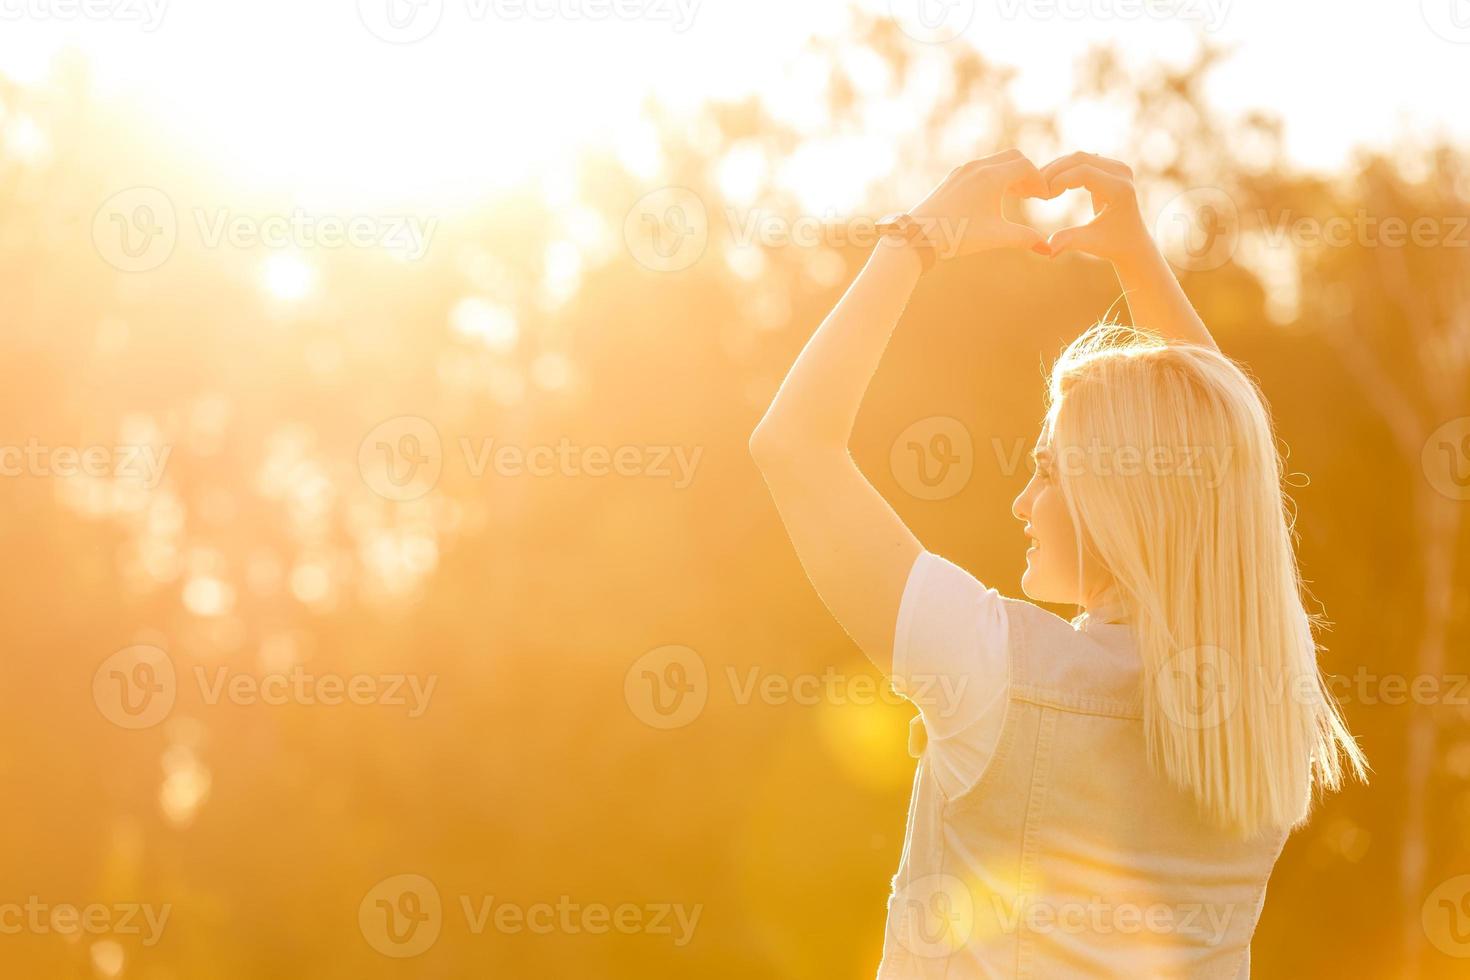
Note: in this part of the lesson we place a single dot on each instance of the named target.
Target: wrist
(898, 255)
(907, 232)
(1142, 259)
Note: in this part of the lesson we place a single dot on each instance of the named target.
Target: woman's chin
(1028, 582)
(1033, 586)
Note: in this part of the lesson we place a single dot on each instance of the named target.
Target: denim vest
(1070, 857)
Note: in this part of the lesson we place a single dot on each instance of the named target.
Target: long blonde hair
(1179, 496)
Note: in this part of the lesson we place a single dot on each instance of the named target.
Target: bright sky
(306, 94)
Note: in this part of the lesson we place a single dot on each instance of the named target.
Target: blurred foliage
(528, 598)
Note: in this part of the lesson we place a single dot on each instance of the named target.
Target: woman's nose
(1020, 508)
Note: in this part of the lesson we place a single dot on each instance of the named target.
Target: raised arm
(1118, 233)
(853, 547)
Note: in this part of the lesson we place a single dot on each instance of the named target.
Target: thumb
(1068, 239)
(1019, 236)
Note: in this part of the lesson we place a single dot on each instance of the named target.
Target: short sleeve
(950, 660)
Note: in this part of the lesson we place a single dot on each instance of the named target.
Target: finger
(1001, 157)
(1019, 176)
(1100, 184)
(1106, 164)
(1020, 236)
(1063, 163)
(1112, 166)
(969, 167)
(1079, 238)
(1063, 241)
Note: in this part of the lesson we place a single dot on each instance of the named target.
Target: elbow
(765, 445)
(778, 448)
(774, 445)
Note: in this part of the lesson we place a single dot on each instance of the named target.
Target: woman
(1104, 797)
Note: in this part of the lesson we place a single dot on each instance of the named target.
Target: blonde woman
(1105, 796)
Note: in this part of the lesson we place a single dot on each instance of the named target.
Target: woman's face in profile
(1052, 573)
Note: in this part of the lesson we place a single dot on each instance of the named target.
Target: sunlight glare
(287, 277)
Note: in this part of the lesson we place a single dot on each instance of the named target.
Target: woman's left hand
(963, 214)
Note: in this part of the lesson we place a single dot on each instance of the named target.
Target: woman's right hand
(1117, 231)
(963, 214)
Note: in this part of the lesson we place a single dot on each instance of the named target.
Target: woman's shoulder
(1077, 664)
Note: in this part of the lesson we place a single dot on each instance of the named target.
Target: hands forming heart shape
(963, 214)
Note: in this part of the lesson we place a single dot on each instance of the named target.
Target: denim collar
(1107, 611)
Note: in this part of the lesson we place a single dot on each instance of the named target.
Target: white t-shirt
(949, 658)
